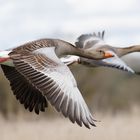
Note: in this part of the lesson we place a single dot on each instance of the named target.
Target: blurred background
(112, 96)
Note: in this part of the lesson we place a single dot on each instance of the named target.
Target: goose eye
(101, 51)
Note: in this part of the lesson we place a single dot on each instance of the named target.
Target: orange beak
(108, 55)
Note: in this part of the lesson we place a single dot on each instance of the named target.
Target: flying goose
(37, 76)
(94, 42)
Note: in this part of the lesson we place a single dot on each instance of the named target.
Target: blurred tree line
(104, 89)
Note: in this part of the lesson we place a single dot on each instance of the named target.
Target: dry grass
(120, 127)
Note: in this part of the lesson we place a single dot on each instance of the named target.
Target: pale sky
(22, 21)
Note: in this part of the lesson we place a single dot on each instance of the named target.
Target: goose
(94, 42)
(37, 76)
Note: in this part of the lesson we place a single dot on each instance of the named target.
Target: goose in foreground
(94, 42)
(37, 76)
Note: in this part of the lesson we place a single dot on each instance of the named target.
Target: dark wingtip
(99, 34)
(87, 125)
(103, 34)
(82, 38)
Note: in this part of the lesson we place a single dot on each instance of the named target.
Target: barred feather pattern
(26, 93)
(55, 82)
(88, 40)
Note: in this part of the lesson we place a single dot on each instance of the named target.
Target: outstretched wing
(96, 40)
(53, 79)
(114, 62)
(89, 40)
(117, 63)
(24, 91)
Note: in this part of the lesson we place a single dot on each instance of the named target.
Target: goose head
(114, 62)
(95, 43)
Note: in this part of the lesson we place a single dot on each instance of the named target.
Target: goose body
(37, 76)
(94, 42)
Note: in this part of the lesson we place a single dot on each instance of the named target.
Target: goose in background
(37, 76)
(94, 42)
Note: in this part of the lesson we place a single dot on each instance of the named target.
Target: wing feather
(90, 40)
(24, 91)
(55, 81)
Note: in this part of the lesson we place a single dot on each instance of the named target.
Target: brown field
(120, 127)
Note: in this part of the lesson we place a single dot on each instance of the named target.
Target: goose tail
(5, 58)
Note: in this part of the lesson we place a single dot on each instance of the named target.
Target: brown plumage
(26, 94)
(37, 76)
